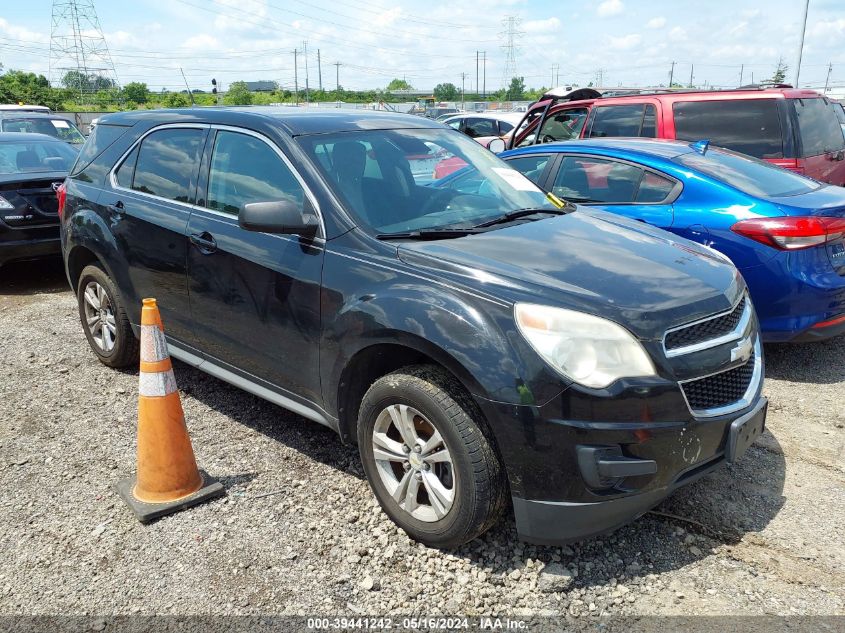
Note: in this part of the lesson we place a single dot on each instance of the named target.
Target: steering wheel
(548, 138)
(442, 197)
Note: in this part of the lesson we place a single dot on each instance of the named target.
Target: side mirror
(496, 145)
(278, 216)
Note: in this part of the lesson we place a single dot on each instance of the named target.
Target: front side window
(623, 120)
(166, 163)
(817, 125)
(750, 126)
(586, 179)
(246, 169)
(562, 126)
(421, 179)
(750, 175)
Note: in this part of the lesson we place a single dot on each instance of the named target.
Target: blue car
(785, 232)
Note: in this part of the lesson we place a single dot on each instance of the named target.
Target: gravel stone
(767, 529)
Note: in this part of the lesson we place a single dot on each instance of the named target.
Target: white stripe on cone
(156, 384)
(153, 345)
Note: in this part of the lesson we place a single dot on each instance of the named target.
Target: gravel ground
(762, 537)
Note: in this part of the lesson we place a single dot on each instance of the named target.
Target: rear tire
(104, 319)
(427, 458)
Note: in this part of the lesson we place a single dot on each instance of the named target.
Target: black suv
(483, 343)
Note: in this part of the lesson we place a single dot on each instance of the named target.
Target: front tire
(426, 456)
(104, 319)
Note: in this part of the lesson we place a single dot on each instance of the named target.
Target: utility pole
(671, 74)
(741, 68)
(801, 42)
(555, 74)
(463, 81)
(319, 70)
(337, 76)
(295, 78)
(484, 72)
(477, 85)
(691, 70)
(827, 80)
(305, 53)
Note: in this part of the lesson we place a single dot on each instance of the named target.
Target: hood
(828, 200)
(643, 278)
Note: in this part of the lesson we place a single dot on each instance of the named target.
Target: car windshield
(20, 157)
(411, 180)
(58, 128)
(749, 175)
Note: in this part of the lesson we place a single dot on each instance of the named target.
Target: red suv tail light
(61, 195)
(792, 233)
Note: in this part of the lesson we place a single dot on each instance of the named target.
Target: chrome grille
(720, 390)
(705, 330)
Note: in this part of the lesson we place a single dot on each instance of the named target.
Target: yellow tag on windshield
(555, 200)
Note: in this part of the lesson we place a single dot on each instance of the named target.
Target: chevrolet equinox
(485, 345)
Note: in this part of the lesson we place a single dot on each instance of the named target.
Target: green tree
(516, 90)
(137, 92)
(20, 87)
(238, 94)
(780, 72)
(399, 84)
(446, 92)
(175, 100)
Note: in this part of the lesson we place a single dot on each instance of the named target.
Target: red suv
(796, 129)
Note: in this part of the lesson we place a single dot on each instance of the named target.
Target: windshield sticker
(58, 123)
(515, 179)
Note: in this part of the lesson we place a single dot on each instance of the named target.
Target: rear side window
(245, 169)
(750, 126)
(480, 127)
(167, 160)
(531, 167)
(818, 126)
(127, 170)
(102, 136)
(505, 127)
(623, 120)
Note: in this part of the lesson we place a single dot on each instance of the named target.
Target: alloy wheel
(414, 463)
(99, 316)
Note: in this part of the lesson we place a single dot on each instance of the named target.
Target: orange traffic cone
(168, 479)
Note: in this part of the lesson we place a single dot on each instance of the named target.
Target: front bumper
(552, 501)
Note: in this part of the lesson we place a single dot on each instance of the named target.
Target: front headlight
(587, 349)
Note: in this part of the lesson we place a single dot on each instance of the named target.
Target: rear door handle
(117, 207)
(205, 242)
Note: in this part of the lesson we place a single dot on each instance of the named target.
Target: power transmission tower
(511, 33)
(555, 75)
(827, 79)
(77, 44)
(484, 73)
(337, 76)
(671, 74)
(295, 77)
(305, 54)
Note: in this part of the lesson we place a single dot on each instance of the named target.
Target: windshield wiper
(428, 234)
(521, 213)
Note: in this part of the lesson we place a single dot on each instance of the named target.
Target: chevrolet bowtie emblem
(742, 351)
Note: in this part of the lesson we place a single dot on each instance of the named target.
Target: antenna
(511, 33)
(77, 44)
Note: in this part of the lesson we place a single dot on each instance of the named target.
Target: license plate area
(744, 431)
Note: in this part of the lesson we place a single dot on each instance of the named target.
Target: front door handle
(117, 207)
(205, 242)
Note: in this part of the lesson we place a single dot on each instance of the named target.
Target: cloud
(610, 7)
(832, 29)
(21, 33)
(203, 41)
(542, 26)
(656, 23)
(626, 42)
(677, 34)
